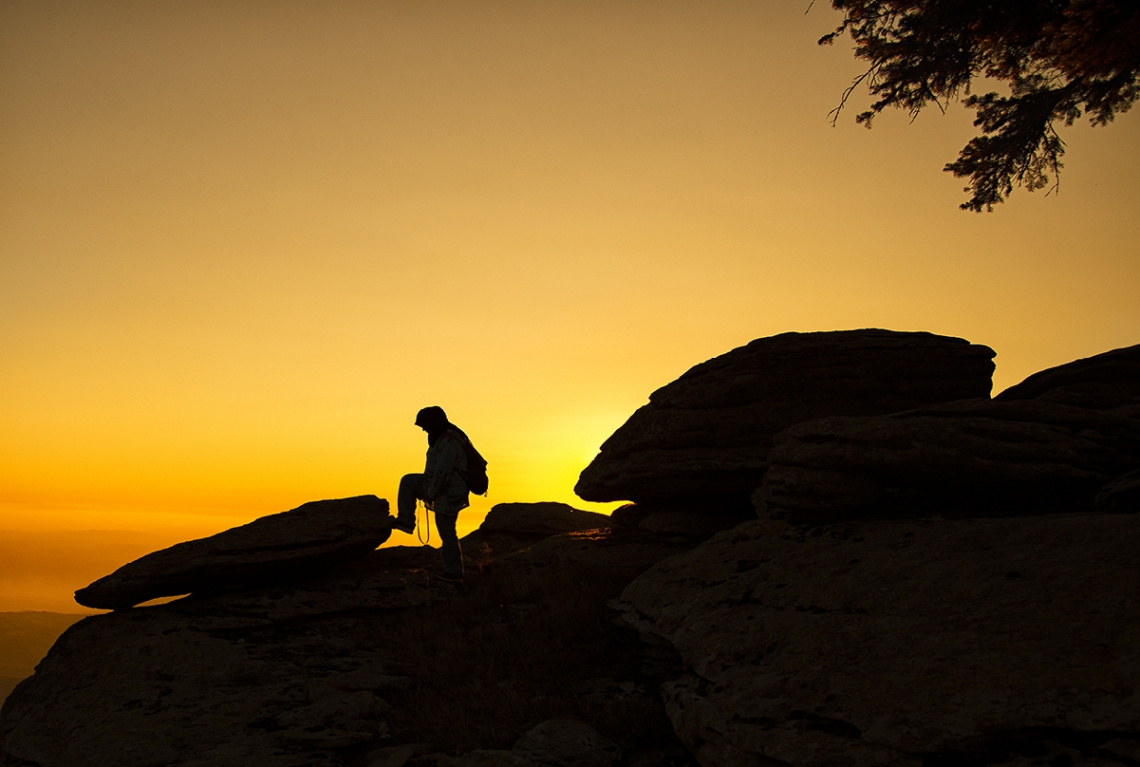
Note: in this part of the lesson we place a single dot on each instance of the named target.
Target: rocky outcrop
(694, 522)
(286, 546)
(540, 520)
(980, 642)
(511, 527)
(928, 585)
(968, 458)
(236, 678)
(1121, 494)
(553, 743)
(707, 434)
(567, 743)
(1109, 381)
(344, 666)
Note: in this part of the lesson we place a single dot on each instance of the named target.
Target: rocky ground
(950, 584)
(373, 663)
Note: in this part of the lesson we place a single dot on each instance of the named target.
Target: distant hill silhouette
(25, 637)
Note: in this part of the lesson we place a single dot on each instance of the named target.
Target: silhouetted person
(442, 486)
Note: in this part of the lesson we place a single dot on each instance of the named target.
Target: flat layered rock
(708, 433)
(972, 458)
(567, 743)
(510, 527)
(265, 676)
(170, 685)
(540, 519)
(318, 673)
(903, 642)
(1109, 381)
(280, 547)
(693, 523)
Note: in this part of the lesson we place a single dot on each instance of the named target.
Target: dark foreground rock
(510, 527)
(967, 642)
(568, 743)
(370, 663)
(693, 522)
(968, 458)
(289, 545)
(922, 629)
(707, 435)
(1109, 381)
(228, 679)
(540, 520)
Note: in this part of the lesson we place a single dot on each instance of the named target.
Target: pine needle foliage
(1061, 60)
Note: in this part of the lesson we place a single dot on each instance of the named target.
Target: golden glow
(242, 244)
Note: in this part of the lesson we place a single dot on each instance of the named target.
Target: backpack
(476, 476)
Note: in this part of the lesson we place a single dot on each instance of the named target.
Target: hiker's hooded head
(434, 421)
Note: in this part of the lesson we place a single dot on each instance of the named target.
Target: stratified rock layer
(708, 433)
(258, 677)
(288, 545)
(567, 743)
(904, 642)
(513, 526)
(540, 519)
(1109, 381)
(966, 458)
(319, 671)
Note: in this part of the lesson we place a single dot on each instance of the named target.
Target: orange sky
(242, 243)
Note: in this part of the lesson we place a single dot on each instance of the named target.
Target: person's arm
(442, 459)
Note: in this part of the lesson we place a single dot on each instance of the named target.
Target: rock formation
(567, 743)
(916, 643)
(291, 544)
(343, 666)
(692, 521)
(948, 590)
(968, 458)
(1109, 381)
(228, 679)
(935, 579)
(707, 434)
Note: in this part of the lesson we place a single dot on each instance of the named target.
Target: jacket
(445, 488)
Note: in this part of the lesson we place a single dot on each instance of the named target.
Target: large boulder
(368, 663)
(567, 743)
(540, 520)
(707, 434)
(971, 458)
(269, 676)
(1001, 641)
(1109, 381)
(511, 527)
(285, 546)
(694, 522)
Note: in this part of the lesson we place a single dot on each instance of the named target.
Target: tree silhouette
(1060, 59)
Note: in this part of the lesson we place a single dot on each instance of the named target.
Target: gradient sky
(241, 243)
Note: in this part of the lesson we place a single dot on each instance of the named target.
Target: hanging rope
(425, 526)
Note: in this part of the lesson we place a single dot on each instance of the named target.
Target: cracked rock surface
(903, 643)
(708, 433)
(272, 676)
(291, 545)
(967, 458)
(371, 663)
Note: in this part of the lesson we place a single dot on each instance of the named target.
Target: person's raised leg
(410, 486)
